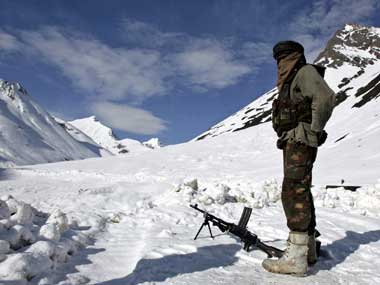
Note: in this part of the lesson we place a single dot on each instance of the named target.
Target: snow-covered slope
(82, 137)
(129, 221)
(153, 143)
(136, 209)
(105, 137)
(352, 58)
(29, 135)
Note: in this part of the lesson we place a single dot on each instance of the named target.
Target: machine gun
(249, 239)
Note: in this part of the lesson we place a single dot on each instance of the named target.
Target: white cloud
(202, 63)
(207, 63)
(257, 52)
(8, 42)
(157, 64)
(127, 118)
(147, 35)
(326, 16)
(112, 73)
(313, 45)
(108, 73)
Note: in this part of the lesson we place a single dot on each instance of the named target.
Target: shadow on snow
(159, 269)
(338, 251)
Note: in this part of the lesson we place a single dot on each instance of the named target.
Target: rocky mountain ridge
(352, 59)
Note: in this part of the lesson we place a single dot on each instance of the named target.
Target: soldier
(299, 115)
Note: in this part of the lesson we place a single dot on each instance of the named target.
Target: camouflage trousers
(296, 196)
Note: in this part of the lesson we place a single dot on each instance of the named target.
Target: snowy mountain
(352, 59)
(126, 219)
(153, 143)
(105, 137)
(82, 137)
(29, 135)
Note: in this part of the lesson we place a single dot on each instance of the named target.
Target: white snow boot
(294, 260)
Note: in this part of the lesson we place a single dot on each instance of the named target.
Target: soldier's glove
(322, 137)
(281, 142)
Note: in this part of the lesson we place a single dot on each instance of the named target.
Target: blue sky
(166, 69)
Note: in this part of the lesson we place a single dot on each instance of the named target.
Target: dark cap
(286, 47)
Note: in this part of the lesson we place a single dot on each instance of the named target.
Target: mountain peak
(95, 129)
(353, 58)
(104, 136)
(92, 118)
(356, 45)
(354, 26)
(11, 88)
(29, 134)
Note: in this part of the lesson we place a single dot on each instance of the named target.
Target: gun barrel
(195, 206)
(221, 224)
(270, 250)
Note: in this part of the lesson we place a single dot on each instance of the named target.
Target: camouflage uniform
(300, 149)
(299, 114)
(296, 196)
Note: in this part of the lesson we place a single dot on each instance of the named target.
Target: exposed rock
(352, 36)
(4, 210)
(368, 92)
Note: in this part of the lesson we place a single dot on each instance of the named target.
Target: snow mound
(33, 243)
(365, 201)
(255, 196)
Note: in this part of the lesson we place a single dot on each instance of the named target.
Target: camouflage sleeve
(313, 86)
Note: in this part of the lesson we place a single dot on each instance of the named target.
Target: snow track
(124, 243)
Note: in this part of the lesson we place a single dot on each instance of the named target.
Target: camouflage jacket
(308, 83)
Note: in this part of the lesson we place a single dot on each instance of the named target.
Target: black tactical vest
(286, 114)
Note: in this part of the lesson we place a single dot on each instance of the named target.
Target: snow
(237, 120)
(136, 211)
(82, 137)
(352, 52)
(334, 77)
(105, 137)
(126, 219)
(96, 130)
(29, 135)
(152, 143)
(33, 247)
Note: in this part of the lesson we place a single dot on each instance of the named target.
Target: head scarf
(286, 47)
(286, 66)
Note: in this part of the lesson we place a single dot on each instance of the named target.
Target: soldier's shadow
(338, 251)
(159, 269)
